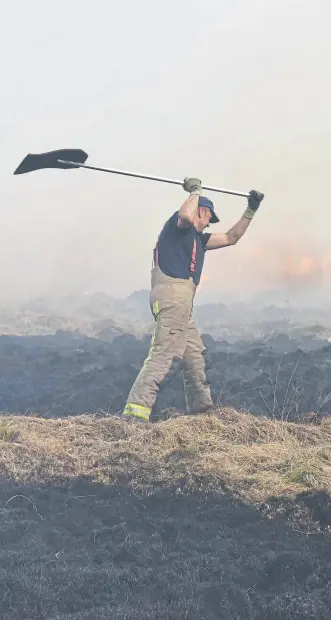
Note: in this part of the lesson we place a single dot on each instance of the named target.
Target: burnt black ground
(69, 374)
(84, 551)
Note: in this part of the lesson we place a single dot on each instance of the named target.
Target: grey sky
(235, 92)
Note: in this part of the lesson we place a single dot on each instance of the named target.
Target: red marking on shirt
(194, 256)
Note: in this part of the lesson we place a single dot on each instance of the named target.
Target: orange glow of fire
(289, 264)
(203, 280)
(304, 266)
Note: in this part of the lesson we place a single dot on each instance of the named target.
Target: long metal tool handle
(209, 188)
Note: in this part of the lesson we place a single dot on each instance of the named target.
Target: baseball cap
(205, 202)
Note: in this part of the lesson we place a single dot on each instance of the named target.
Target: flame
(304, 266)
(297, 266)
(289, 264)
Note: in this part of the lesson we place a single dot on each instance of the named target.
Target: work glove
(192, 186)
(254, 200)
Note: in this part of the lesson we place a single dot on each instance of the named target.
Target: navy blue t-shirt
(180, 252)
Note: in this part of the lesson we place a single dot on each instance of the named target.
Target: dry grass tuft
(7, 432)
(254, 457)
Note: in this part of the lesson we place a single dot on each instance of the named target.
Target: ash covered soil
(78, 355)
(222, 516)
(69, 373)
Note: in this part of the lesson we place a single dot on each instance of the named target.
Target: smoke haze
(237, 93)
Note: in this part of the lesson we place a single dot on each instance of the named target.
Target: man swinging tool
(178, 262)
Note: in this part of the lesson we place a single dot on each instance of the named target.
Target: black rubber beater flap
(50, 160)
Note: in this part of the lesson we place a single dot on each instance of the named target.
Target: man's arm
(189, 209)
(223, 240)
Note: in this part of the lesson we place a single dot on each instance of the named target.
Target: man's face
(205, 216)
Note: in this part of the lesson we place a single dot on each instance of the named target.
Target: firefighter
(177, 266)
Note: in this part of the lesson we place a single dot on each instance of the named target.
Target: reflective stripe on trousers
(131, 409)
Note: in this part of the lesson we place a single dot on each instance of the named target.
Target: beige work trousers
(175, 341)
